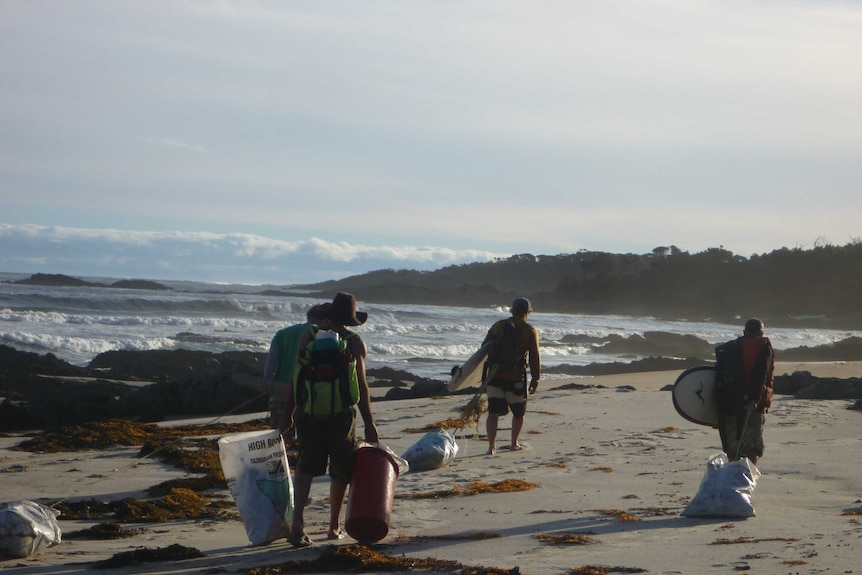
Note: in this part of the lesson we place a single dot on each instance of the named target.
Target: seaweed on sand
(603, 570)
(175, 552)
(476, 488)
(476, 536)
(740, 540)
(121, 432)
(362, 559)
(103, 531)
(565, 539)
(179, 504)
(622, 516)
(470, 415)
(188, 447)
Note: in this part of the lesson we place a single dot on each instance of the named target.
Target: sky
(258, 141)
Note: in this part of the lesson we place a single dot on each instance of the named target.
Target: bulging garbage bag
(26, 527)
(725, 490)
(435, 449)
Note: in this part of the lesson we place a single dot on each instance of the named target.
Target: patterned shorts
(500, 400)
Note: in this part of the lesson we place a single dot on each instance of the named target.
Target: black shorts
(331, 440)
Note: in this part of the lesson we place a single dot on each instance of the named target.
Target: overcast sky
(284, 142)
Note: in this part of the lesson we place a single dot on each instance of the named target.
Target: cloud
(206, 256)
(512, 127)
(171, 143)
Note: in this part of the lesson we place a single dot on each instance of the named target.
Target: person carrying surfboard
(745, 370)
(514, 347)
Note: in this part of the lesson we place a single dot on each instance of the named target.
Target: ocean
(78, 323)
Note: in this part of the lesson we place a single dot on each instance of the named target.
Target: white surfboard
(694, 397)
(469, 374)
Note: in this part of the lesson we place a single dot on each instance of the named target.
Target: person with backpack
(745, 370)
(514, 348)
(329, 387)
(280, 367)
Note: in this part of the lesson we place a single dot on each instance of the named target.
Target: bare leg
(491, 428)
(517, 424)
(301, 489)
(337, 490)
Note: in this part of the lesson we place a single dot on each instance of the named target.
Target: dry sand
(592, 452)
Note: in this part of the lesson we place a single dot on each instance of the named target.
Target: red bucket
(372, 492)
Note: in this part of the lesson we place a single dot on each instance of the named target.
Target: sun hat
(342, 310)
(521, 305)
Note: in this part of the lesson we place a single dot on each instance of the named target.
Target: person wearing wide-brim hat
(331, 441)
(342, 311)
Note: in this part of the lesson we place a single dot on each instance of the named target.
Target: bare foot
(491, 451)
(516, 447)
(299, 539)
(336, 535)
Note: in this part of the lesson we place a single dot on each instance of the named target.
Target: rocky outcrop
(42, 391)
(616, 367)
(849, 349)
(60, 280)
(651, 343)
(803, 385)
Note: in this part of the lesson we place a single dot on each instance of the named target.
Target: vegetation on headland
(819, 286)
(815, 286)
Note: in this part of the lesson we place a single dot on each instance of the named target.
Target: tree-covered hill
(821, 286)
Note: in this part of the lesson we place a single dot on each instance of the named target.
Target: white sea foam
(78, 323)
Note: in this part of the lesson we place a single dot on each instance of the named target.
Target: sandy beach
(614, 465)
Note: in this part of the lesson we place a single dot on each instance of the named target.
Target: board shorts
(505, 395)
(730, 427)
(331, 440)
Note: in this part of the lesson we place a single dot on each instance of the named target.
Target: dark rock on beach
(849, 349)
(803, 385)
(164, 365)
(41, 391)
(646, 364)
(651, 343)
(423, 387)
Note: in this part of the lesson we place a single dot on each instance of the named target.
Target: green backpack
(327, 383)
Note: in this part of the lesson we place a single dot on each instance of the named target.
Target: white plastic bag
(26, 527)
(725, 490)
(435, 449)
(257, 474)
(401, 464)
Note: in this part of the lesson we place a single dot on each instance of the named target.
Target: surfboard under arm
(694, 395)
(469, 373)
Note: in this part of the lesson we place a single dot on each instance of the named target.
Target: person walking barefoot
(515, 348)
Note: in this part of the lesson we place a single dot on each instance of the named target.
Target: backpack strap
(344, 373)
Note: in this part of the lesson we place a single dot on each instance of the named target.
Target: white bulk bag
(257, 474)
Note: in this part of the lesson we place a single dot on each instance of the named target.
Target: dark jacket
(745, 370)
